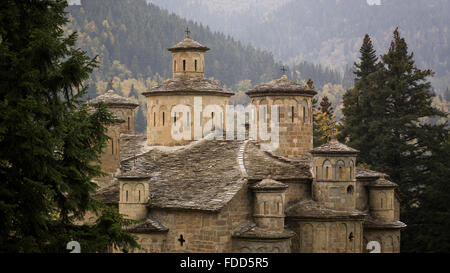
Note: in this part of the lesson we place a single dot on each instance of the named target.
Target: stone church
(216, 195)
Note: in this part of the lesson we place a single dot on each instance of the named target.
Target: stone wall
(326, 236)
(189, 68)
(160, 121)
(297, 190)
(202, 231)
(295, 123)
(389, 239)
(262, 246)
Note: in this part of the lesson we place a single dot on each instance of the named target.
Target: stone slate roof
(150, 225)
(249, 230)
(268, 185)
(312, 209)
(112, 99)
(133, 174)
(183, 85)
(334, 147)
(371, 222)
(201, 176)
(260, 164)
(109, 194)
(382, 183)
(188, 44)
(132, 145)
(281, 86)
(368, 174)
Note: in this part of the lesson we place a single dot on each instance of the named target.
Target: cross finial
(187, 31)
(283, 69)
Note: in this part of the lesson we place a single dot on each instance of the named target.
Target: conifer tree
(50, 141)
(357, 109)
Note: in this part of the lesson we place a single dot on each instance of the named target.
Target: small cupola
(269, 204)
(188, 58)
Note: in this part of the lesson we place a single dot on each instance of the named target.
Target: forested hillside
(330, 32)
(131, 39)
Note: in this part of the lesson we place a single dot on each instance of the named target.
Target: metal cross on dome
(187, 31)
(283, 69)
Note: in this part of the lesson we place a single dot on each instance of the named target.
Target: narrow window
(279, 115)
(175, 119)
(266, 208)
(326, 172)
(154, 119)
(126, 196)
(164, 118)
(139, 196)
(195, 65)
(112, 146)
(304, 114)
(292, 113)
(174, 65)
(201, 115)
(188, 122)
(184, 65)
(128, 123)
(264, 113)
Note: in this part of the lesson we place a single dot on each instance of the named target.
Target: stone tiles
(371, 222)
(383, 183)
(312, 209)
(249, 230)
(204, 176)
(149, 225)
(283, 86)
(188, 44)
(184, 85)
(109, 194)
(112, 99)
(334, 147)
(261, 164)
(268, 185)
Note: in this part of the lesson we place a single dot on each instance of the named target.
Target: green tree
(50, 141)
(396, 100)
(357, 108)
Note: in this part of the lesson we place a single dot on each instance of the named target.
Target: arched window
(184, 65)
(328, 171)
(195, 64)
(292, 113)
(304, 114)
(340, 170)
(350, 190)
(351, 169)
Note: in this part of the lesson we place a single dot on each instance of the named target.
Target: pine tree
(394, 101)
(368, 59)
(50, 141)
(357, 108)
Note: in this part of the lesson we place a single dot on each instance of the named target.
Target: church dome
(281, 86)
(188, 44)
(110, 98)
